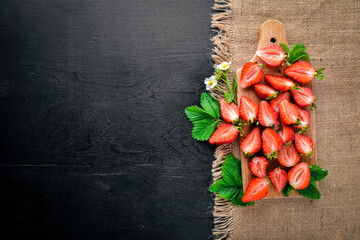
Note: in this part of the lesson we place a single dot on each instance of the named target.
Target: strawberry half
(251, 73)
(281, 83)
(257, 189)
(267, 115)
(276, 101)
(229, 111)
(304, 144)
(304, 97)
(287, 134)
(258, 165)
(289, 113)
(271, 143)
(279, 178)
(272, 55)
(226, 133)
(303, 72)
(299, 176)
(265, 91)
(251, 143)
(248, 109)
(288, 156)
(304, 120)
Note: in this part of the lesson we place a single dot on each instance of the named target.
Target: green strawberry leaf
(203, 129)
(231, 171)
(297, 53)
(238, 202)
(285, 47)
(303, 56)
(194, 113)
(210, 105)
(311, 191)
(229, 97)
(223, 189)
(318, 173)
(287, 189)
(319, 74)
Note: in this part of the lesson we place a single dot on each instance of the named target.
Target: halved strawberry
(304, 144)
(299, 176)
(272, 55)
(304, 97)
(289, 113)
(287, 134)
(303, 72)
(288, 156)
(281, 83)
(226, 133)
(304, 120)
(248, 109)
(267, 115)
(251, 73)
(251, 143)
(258, 165)
(229, 111)
(271, 143)
(276, 101)
(279, 178)
(265, 91)
(257, 189)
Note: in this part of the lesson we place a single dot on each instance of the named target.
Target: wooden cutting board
(272, 32)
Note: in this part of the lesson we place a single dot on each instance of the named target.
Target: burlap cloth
(331, 32)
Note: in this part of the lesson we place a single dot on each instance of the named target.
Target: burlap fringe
(221, 24)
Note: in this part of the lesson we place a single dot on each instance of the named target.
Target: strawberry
(251, 73)
(287, 134)
(288, 156)
(299, 176)
(303, 72)
(265, 91)
(276, 101)
(304, 144)
(271, 143)
(304, 97)
(257, 189)
(272, 55)
(267, 115)
(229, 111)
(248, 109)
(289, 113)
(279, 178)
(304, 120)
(226, 133)
(281, 83)
(258, 165)
(251, 143)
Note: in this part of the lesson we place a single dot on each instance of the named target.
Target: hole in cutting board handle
(273, 40)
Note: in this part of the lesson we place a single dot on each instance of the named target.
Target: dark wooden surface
(94, 143)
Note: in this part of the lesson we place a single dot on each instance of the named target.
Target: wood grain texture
(272, 29)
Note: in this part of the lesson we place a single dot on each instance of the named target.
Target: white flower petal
(208, 87)
(207, 80)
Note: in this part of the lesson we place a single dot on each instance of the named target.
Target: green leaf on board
(229, 97)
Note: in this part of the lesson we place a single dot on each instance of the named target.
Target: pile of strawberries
(273, 121)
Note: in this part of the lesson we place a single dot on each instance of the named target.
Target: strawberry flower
(224, 66)
(210, 82)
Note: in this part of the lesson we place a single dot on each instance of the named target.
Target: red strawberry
(226, 133)
(267, 115)
(288, 156)
(251, 143)
(257, 189)
(276, 101)
(251, 73)
(289, 113)
(265, 91)
(258, 166)
(287, 133)
(299, 176)
(271, 143)
(272, 55)
(304, 120)
(278, 177)
(281, 83)
(248, 109)
(304, 97)
(304, 144)
(229, 111)
(303, 72)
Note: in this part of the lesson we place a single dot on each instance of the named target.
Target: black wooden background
(94, 142)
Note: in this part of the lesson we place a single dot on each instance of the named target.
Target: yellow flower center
(211, 83)
(225, 66)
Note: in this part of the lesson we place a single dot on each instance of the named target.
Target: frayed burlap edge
(221, 24)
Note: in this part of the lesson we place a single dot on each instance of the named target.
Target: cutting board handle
(271, 32)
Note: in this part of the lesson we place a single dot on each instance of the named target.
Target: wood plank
(272, 30)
